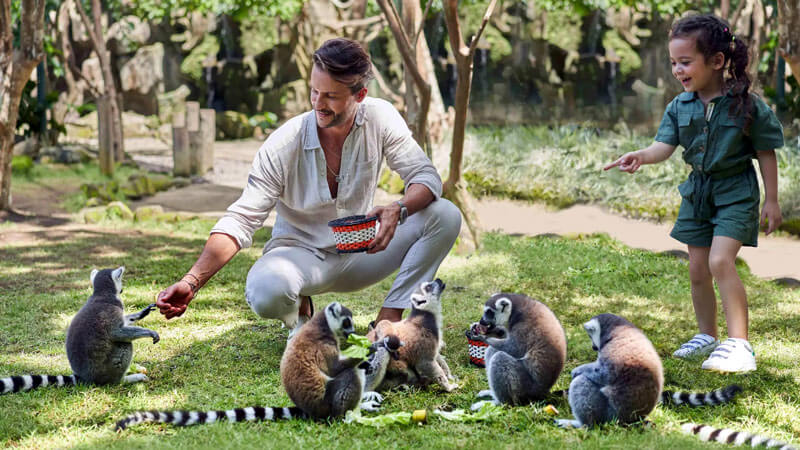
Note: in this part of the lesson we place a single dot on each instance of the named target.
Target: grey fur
(98, 340)
(625, 381)
(527, 349)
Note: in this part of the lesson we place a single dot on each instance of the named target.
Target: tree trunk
(16, 65)
(454, 188)
(789, 34)
(403, 39)
(114, 143)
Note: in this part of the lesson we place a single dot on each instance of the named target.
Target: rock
(171, 102)
(90, 69)
(119, 210)
(149, 212)
(93, 214)
(233, 125)
(137, 125)
(66, 154)
(28, 147)
(127, 35)
(142, 79)
(94, 201)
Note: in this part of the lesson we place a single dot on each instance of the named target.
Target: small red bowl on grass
(353, 233)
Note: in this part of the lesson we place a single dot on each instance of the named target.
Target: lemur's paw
(372, 396)
(478, 405)
(135, 378)
(450, 387)
(370, 406)
(567, 423)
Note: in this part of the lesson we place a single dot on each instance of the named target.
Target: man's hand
(388, 216)
(172, 301)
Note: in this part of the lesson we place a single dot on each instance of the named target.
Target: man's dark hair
(345, 61)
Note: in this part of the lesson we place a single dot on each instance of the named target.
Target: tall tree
(789, 34)
(407, 43)
(454, 188)
(111, 141)
(16, 65)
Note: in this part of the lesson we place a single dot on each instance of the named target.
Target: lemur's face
(592, 328)
(340, 320)
(496, 313)
(428, 296)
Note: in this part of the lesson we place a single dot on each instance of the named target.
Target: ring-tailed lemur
(624, 383)
(527, 349)
(98, 341)
(728, 436)
(318, 380)
(420, 360)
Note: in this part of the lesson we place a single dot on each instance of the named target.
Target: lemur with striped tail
(98, 340)
(318, 380)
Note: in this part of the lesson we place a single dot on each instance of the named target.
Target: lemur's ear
(336, 309)
(116, 275)
(503, 304)
(94, 274)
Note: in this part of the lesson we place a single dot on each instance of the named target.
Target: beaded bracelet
(195, 286)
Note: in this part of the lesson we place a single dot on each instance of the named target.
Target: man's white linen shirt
(289, 175)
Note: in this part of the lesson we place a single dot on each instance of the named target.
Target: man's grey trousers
(281, 275)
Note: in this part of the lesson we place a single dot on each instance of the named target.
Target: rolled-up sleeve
(404, 155)
(248, 213)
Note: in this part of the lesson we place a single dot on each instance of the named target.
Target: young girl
(721, 127)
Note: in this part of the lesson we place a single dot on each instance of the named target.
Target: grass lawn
(562, 165)
(220, 355)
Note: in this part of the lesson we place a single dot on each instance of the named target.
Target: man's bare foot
(306, 306)
(390, 314)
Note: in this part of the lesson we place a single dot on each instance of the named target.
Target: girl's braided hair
(713, 35)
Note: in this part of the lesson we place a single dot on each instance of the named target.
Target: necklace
(335, 175)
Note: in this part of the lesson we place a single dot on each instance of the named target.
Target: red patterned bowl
(354, 233)
(477, 351)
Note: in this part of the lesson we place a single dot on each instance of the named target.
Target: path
(774, 258)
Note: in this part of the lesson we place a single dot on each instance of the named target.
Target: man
(319, 166)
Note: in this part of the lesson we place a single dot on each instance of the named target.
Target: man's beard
(337, 119)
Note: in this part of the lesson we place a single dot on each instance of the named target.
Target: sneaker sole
(728, 372)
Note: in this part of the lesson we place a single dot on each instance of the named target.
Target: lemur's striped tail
(713, 398)
(186, 418)
(27, 382)
(728, 436)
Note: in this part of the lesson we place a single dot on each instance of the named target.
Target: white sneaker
(699, 345)
(732, 355)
